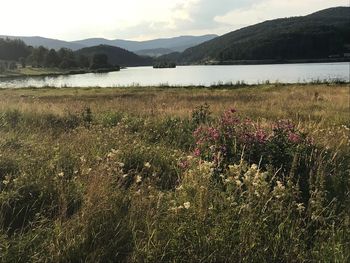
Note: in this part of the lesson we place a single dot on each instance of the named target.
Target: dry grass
(318, 103)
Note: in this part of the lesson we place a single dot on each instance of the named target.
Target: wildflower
(110, 155)
(197, 152)
(238, 182)
(254, 167)
(147, 165)
(179, 188)
(187, 205)
(227, 180)
(233, 110)
(280, 185)
(294, 138)
(5, 182)
(300, 207)
(138, 179)
(61, 174)
(183, 164)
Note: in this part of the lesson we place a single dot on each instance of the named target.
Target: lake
(192, 75)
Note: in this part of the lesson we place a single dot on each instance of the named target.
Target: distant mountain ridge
(37, 41)
(322, 34)
(157, 52)
(178, 44)
(165, 45)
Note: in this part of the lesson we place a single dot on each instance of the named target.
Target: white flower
(5, 182)
(61, 174)
(254, 167)
(280, 185)
(147, 165)
(179, 188)
(300, 207)
(138, 179)
(187, 205)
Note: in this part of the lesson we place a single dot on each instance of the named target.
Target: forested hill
(116, 55)
(320, 35)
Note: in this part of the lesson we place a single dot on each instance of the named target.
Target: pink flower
(233, 110)
(284, 125)
(197, 152)
(261, 136)
(294, 138)
(183, 164)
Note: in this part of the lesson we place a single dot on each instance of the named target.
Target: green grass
(109, 175)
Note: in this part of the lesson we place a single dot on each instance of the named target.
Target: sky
(144, 19)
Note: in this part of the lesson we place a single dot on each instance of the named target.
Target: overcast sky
(144, 19)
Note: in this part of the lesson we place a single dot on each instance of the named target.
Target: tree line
(15, 51)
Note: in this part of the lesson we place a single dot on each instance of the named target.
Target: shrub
(283, 148)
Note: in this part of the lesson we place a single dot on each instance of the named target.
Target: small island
(164, 64)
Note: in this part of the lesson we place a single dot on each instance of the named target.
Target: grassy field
(36, 72)
(251, 174)
(30, 71)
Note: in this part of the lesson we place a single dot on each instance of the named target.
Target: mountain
(320, 35)
(174, 44)
(46, 42)
(116, 55)
(157, 52)
(157, 46)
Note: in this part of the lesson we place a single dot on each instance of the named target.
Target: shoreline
(228, 86)
(56, 74)
(274, 62)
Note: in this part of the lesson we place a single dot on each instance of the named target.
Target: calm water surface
(192, 75)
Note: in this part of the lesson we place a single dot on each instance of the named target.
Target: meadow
(144, 174)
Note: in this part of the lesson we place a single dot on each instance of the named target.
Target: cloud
(204, 12)
(140, 19)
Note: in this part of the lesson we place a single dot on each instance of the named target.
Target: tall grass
(165, 175)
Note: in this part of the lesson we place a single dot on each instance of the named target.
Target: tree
(2, 67)
(12, 65)
(83, 61)
(13, 49)
(22, 60)
(68, 63)
(99, 61)
(65, 53)
(38, 56)
(52, 59)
